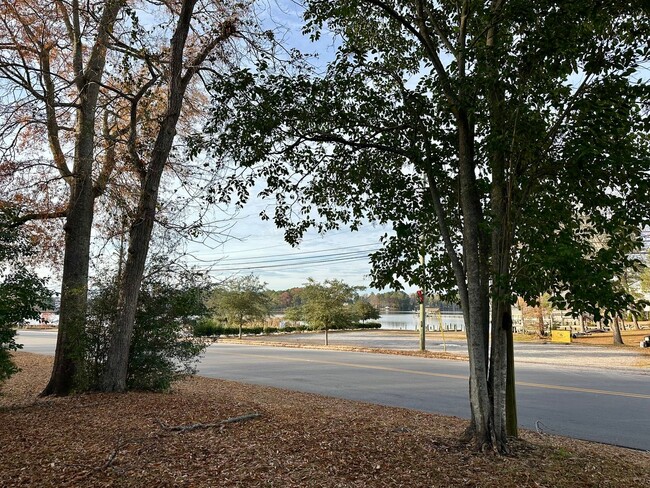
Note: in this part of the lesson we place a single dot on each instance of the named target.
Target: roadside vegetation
(244, 305)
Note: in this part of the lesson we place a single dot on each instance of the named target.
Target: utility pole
(422, 294)
(422, 297)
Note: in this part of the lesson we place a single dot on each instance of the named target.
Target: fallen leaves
(297, 440)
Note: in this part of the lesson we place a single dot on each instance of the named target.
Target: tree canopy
(500, 137)
(240, 300)
(327, 304)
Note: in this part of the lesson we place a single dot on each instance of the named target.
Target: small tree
(366, 311)
(241, 300)
(294, 314)
(328, 304)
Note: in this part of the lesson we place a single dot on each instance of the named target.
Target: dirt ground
(631, 338)
(288, 440)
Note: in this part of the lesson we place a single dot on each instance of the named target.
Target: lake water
(411, 320)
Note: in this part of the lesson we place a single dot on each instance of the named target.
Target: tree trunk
(140, 236)
(512, 427)
(618, 338)
(540, 319)
(635, 319)
(69, 352)
(481, 430)
(139, 241)
(501, 357)
(327, 340)
(501, 376)
(501, 361)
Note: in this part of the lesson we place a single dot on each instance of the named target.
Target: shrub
(162, 349)
(206, 327)
(368, 325)
(22, 292)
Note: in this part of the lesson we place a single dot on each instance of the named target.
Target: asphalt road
(599, 405)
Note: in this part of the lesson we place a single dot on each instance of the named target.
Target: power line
(296, 258)
(319, 238)
(283, 265)
(344, 248)
(293, 251)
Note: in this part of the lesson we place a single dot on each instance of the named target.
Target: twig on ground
(186, 428)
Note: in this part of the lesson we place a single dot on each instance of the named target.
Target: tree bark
(481, 429)
(501, 357)
(140, 235)
(540, 319)
(69, 352)
(502, 351)
(74, 289)
(618, 338)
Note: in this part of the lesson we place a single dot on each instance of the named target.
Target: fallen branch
(186, 428)
(119, 446)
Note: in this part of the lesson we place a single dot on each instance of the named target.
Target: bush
(208, 327)
(368, 325)
(162, 349)
(7, 344)
(22, 292)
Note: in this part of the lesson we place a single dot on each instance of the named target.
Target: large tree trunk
(481, 429)
(139, 241)
(140, 235)
(69, 352)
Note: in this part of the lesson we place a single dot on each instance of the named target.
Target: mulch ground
(298, 440)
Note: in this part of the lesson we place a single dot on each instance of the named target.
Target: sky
(257, 246)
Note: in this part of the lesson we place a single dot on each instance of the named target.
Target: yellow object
(563, 336)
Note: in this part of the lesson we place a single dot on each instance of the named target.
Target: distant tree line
(243, 304)
(390, 300)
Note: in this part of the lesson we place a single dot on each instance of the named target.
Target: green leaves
(241, 300)
(169, 305)
(559, 122)
(22, 293)
(327, 304)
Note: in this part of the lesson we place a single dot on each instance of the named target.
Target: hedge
(207, 327)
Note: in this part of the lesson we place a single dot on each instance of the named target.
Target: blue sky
(257, 246)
